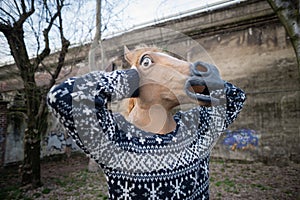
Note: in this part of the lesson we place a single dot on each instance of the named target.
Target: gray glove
(207, 77)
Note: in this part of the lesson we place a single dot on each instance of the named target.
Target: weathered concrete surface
(250, 47)
(262, 62)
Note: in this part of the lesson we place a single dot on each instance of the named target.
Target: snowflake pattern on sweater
(137, 164)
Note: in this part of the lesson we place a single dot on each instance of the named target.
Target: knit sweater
(138, 164)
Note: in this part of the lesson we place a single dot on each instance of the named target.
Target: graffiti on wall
(242, 139)
(58, 141)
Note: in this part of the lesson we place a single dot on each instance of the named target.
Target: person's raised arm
(78, 101)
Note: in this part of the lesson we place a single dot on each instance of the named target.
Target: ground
(68, 178)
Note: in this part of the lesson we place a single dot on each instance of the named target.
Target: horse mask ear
(128, 55)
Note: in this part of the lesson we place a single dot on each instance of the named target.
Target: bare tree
(288, 12)
(15, 18)
(108, 15)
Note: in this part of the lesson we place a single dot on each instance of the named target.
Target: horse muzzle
(203, 81)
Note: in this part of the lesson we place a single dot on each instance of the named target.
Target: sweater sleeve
(235, 98)
(210, 122)
(80, 104)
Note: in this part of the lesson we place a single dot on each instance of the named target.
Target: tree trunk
(296, 45)
(31, 171)
(288, 12)
(96, 46)
(37, 125)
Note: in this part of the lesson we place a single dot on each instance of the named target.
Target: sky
(122, 15)
(140, 12)
(144, 12)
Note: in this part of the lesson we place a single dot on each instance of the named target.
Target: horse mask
(166, 82)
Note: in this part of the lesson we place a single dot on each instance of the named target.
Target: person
(150, 153)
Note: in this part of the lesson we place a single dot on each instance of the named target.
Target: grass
(228, 185)
(71, 186)
(69, 179)
(12, 192)
(46, 191)
(261, 187)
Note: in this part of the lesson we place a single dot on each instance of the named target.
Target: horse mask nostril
(200, 69)
(197, 85)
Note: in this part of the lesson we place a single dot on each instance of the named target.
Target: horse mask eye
(146, 61)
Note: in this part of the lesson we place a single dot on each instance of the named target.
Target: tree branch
(8, 14)
(23, 17)
(23, 6)
(288, 14)
(46, 50)
(17, 6)
(48, 69)
(64, 50)
(36, 35)
(61, 59)
(4, 27)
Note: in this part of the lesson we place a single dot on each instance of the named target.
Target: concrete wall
(250, 47)
(262, 62)
(55, 141)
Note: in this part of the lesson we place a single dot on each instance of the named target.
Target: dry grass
(68, 178)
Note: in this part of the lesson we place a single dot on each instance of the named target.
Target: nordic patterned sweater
(141, 165)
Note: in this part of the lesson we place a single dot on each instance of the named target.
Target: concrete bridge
(250, 47)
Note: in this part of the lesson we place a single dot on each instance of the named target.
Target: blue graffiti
(241, 139)
(55, 140)
(58, 141)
